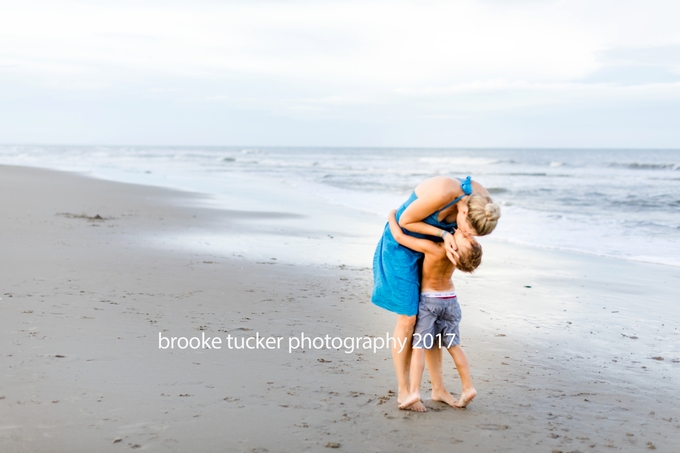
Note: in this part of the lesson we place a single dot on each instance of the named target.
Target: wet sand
(568, 352)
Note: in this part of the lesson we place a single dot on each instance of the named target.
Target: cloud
(664, 56)
(356, 61)
(343, 42)
(570, 89)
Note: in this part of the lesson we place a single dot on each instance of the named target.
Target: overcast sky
(496, 73)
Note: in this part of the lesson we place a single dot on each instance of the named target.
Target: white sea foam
(460, 161)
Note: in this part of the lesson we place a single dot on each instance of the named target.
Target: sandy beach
(568, 352)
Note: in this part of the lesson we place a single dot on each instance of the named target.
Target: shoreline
(98, 292)
(330, 183)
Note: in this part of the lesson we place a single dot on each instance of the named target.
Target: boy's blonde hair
(483, 213)
(471, 258)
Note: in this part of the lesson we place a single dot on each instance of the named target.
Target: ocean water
(617, 203)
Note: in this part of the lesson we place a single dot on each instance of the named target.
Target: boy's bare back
(437, 270)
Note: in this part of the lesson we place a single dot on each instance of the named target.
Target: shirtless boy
(439, 313)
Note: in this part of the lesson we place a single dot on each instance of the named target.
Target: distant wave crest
(647, 166)
(460, 160)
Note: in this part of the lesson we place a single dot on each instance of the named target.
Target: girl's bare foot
(413, 403)
(444, 397)
(466, 397)
(402, 395)
(417, 407)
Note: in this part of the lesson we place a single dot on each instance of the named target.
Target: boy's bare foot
(466, 397)
(413, 403)
(444, 397)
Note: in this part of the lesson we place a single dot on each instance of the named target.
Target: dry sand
(565, 365)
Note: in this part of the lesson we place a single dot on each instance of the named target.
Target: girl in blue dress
(436, 207)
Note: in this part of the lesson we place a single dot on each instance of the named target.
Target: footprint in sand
(493, 427)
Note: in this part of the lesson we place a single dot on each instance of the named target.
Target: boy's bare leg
(433, 357)
(413, 402)
(468, 392)
(402, 356)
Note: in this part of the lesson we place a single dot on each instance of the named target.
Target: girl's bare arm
(417, 244)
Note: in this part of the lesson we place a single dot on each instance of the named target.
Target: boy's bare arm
(417, 244)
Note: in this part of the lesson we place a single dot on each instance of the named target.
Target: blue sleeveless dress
(396, 269)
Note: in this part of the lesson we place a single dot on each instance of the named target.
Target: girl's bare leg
(416, 376)
(403, 332)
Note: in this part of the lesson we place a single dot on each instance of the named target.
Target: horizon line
(556, 148)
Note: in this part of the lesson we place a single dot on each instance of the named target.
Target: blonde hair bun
(483, 214)
(492, 211)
